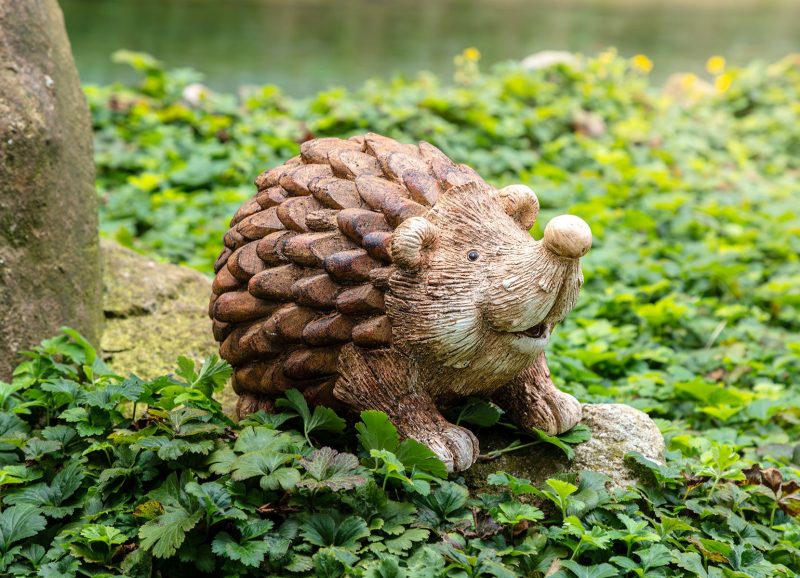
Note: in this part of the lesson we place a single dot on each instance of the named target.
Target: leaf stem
(494, 454)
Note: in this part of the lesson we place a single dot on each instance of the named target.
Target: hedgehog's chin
(533, 339)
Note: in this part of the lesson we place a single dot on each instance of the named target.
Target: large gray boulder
(617, 430)
(49, 259)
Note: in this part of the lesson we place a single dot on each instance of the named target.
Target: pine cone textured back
(307, 261)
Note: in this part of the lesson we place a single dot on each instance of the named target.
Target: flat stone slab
(617, 429)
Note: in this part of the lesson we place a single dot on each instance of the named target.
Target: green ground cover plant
(108, 476)
(690, 312)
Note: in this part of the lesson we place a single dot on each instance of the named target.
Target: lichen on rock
(617, 430)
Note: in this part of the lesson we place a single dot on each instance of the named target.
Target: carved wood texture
(307, 260)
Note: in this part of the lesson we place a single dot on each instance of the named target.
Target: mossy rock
(154, 312)
(617, 430)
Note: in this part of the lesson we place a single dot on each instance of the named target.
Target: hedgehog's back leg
(532, 401)
(383, 379)
(249, 403)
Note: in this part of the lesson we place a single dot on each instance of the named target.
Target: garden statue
(371, 274)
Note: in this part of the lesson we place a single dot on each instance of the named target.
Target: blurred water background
(306, 45)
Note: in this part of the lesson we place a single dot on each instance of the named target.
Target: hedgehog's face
(476, 279)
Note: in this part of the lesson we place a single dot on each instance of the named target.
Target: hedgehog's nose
(568, 236)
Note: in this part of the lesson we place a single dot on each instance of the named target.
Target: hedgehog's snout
(568, 236)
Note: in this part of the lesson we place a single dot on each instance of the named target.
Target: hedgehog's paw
(554, 413)
(456, 446)
(569, 409)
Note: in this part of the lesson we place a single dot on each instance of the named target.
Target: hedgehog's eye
(473, 255)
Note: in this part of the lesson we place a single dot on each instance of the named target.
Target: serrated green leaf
(18, 523)
(518, 486)
(323, 418)
(299, 563)
(164, 534)
(480, 412)
(577, 435)
(66, 387)
(561, 488)
(213, 374)
(268, 465)
(327, 468)
(377, 432)
(216, 500)
(102, 533)
(406, 540)
(326, 531)
(417, 456)
(595, 571)
(555, 441)
(654, 556)
(447, 501)
(515, 512)
(37, 448)
(66, 567)
(386, 567)
(173, 449)
(249, 552)
(395, 516)
(220, 460)
(283, 478)
(58, 498)
(255, 439)
(690, 561)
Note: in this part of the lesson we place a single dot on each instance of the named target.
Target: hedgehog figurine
(370, 274)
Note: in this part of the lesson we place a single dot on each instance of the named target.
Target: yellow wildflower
(688, 81)
(607, 57)
(715, 65)
(641, 63)
(723, 82)
(472, 54)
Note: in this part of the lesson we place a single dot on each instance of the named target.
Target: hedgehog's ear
(412, 241)
(519, 203)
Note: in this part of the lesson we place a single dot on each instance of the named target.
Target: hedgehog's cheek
(512, 312)
(517, 302)
(536, 311)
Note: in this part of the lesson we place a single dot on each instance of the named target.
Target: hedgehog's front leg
(385, 380)
(532, 401)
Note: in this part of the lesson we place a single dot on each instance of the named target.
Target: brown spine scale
(312, 260)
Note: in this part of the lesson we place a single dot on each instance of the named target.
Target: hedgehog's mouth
(533, 338)
(538, 331)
